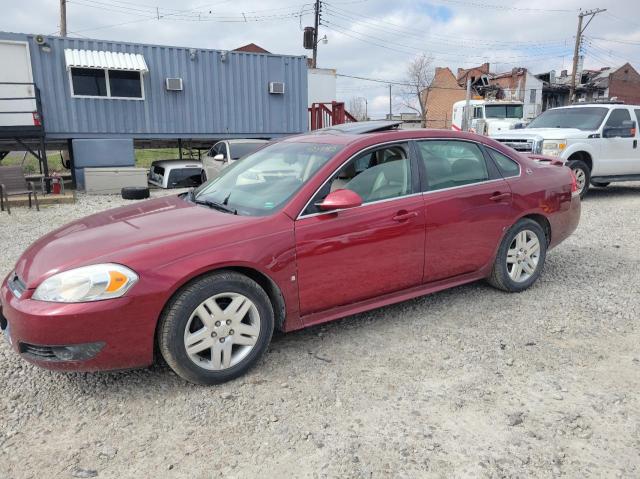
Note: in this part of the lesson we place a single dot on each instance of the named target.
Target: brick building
(441, 96)
(624, 84)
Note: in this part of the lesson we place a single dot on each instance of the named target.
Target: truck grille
(519, 145)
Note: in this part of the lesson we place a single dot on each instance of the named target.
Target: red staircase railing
(322, 115)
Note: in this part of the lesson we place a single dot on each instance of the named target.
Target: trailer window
(125, 84)
(88, 82)
(96, 82)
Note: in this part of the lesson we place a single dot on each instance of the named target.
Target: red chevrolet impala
(306, 230)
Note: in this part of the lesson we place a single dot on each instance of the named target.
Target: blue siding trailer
(183, 93)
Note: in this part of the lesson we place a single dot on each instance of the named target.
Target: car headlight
(553, 147)
(89, 283)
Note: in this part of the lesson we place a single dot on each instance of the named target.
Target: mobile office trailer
(60, 91)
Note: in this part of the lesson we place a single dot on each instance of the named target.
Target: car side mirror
(219, 157)
(340, 200)
(627, 130)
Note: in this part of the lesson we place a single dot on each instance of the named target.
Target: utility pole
(576, 50)
(315, 33)
(63, 18)
(390, 105)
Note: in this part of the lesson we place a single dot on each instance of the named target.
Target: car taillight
(36, 119)
(574, 182)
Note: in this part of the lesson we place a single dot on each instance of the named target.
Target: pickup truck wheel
(600, 185)
(520, 257)
(216, 328)
(583, 175)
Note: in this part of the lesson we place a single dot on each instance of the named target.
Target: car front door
(364, 252)
(619, 157)
(467, 207)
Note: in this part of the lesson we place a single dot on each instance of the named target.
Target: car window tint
(451, 163)
(378, 174)
(617, 117)
(506, 165)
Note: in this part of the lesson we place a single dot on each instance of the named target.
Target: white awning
(110, 60)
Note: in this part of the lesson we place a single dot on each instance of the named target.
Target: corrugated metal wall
(220, 98)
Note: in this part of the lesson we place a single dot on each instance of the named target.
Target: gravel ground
(469, 382)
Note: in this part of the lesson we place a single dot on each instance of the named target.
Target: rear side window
(637, 118)
(506, 165)
(451, 163)
(617, 117)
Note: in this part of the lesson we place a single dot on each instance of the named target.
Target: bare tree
(419, 81)
(357, 107)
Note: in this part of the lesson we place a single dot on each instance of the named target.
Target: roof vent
(276, 87)
(174, 84)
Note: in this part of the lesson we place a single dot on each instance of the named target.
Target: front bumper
(100, 335)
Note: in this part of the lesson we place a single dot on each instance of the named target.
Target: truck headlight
(553, 147)
(88, 283)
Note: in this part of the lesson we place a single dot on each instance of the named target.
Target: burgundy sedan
(306, 230)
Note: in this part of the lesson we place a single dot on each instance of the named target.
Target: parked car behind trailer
(225, 152)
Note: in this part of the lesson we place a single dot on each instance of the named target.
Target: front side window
(96, 82)
(452, 163)
(378, 174)
(264, 181)
(582, 118)
(617, 117)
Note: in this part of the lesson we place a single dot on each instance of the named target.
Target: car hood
(543, 133)
(120, 235)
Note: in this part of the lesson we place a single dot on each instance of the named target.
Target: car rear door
(361, 253)
(467, 207)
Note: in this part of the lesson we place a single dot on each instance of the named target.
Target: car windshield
(264, 181)
(238, 150)
(587, 118)
(503, 111)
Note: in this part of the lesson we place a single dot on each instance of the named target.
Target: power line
(505, 7)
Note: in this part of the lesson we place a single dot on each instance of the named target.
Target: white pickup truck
(598, 141)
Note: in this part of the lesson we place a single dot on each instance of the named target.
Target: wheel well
(544, 224)
(269, 286)
(583, 156)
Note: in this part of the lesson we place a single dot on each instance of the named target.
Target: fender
(582, 146)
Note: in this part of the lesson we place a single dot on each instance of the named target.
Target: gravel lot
(470, 382)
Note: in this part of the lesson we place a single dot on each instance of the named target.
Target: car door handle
(497, 196)
(404, 215)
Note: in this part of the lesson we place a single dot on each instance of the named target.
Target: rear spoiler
(549, 160)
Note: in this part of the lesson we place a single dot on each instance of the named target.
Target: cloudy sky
(367, 38)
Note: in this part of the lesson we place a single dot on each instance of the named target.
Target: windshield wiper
(217, 206)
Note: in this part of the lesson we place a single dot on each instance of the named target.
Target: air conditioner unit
(174, 84)
(276, 87)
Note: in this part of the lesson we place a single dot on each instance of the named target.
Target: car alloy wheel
(222, 331)
(581, 179)
(523, 256)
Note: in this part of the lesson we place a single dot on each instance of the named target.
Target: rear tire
(583, 175)
(216, 328)
(519, 253)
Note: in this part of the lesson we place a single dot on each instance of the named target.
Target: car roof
(360, 127)
(338, 138)
(602, 105)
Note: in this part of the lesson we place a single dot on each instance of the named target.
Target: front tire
(583, 175)
(216, 328)
(520, 257)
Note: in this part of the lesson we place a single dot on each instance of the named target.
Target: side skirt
(390, 298)
(607, 179)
